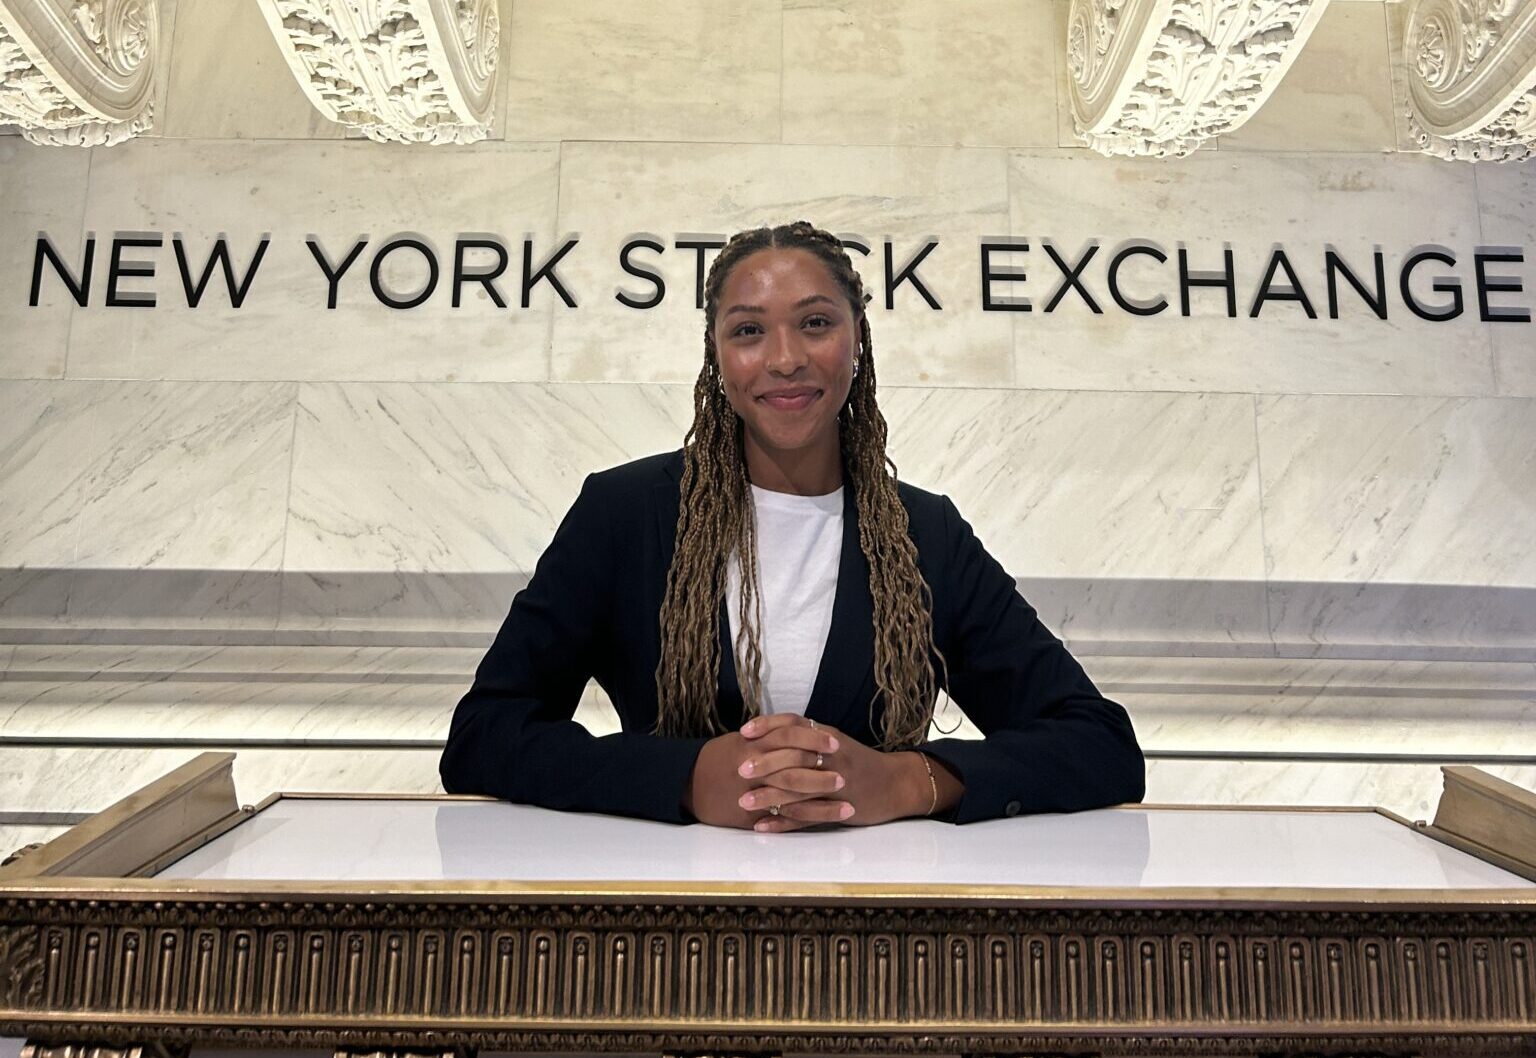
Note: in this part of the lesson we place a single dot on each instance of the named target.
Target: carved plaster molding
(400, 71)
(1470, 67)
(78, 73)
(1160, 77)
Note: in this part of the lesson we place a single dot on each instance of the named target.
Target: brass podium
(177, 919)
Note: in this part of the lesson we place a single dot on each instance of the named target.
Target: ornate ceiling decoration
(77, 72)
(1470, 67)
(402, 71)
(1160, 77)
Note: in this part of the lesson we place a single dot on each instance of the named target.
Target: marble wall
(1178, 494)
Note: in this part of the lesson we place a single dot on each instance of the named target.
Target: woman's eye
(818, 321)
(746, 330)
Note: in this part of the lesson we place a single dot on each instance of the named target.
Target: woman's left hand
(880, 786)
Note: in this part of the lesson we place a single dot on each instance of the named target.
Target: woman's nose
(784, 352)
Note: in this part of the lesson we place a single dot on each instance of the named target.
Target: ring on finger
(819, 760)
(774, 810)
(813, 725)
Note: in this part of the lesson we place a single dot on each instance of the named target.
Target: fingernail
(749, 728)
(831, 744)
(745, 801)
(746, 768)
(845, 811)
(840, 782)
(762, 825)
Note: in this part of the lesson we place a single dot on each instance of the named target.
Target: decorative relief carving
(1470, 67)
(367, 974)
(403, 71)
(1160, 77)
(77, 72)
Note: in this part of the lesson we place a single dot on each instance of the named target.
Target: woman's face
(786, 335)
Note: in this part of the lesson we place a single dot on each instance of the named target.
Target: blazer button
(1012, 808)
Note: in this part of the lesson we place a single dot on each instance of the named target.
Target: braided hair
(714, 520)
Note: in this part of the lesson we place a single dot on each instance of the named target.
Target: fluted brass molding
(78, 73)
(402, 71)
(389, 970)
(1470, 67)
(1160, 77)
(35, 1049)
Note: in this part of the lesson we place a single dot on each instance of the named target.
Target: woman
(861, 597)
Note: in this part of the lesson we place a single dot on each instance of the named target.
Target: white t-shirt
(799, 543)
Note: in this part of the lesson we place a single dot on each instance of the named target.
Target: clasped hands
(773, 761)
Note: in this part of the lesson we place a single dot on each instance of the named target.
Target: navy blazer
(592, 610)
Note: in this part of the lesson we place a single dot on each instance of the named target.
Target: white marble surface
(1384, 492)
(440, 478)
(1253, 201)
(257, 96)
(1506, 195)
(390, 840)
(609, 192)
(688, 70)
(976, 72)
(44, 192)
(338, 193)
(1410, 790)
(1336, 96)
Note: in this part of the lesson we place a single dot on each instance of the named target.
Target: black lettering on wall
(118, 269)
(546, 272)
(1441, 285)
(854, 243)
(1293, 291)
(1227, 279)
(908, 274)
(375, 280)
(654, 277)
(1129, 304)
(1334, 266)
(220, 255)
(1071, 277)
(700, 245)
(1507, 284)
(333, 275)
(485, 279)
(1003, 274)
(79, 289)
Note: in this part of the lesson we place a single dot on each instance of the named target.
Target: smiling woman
(772, 613)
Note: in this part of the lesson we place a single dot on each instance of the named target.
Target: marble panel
(339, 194)
(89, 778)
(230, 46)
(969, 73)
(1507, 198)
(13, 838)
(685, 70)
(1102, 503)
(1397, 24)
(1249, 203)
(1400, 520)
(1410, 790)
(196, 663)
(1336, 96)
(394, 478)
(909, 195)
(43, 189)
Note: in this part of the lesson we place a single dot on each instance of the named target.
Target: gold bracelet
(932, 782)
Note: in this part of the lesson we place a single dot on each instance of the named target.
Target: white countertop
(381, 839)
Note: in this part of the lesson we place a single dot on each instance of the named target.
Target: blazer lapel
(848, 659)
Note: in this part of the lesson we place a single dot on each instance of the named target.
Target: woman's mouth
(791, 403)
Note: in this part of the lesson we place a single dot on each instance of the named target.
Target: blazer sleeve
(513, 735)
(1053, 742)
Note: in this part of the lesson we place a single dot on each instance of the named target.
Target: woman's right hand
(717, 786)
